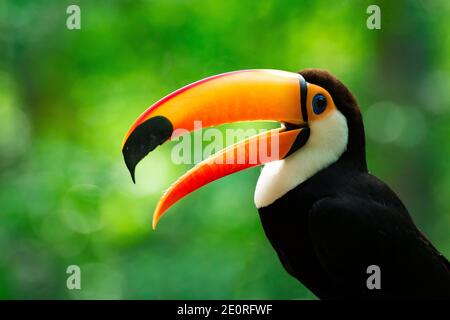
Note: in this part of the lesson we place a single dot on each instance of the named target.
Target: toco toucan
(330, 221)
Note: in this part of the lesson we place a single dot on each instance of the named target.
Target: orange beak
(248, 95)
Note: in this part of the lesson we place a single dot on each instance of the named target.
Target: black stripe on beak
(303, 95)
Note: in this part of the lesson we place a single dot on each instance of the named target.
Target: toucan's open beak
(248, 95)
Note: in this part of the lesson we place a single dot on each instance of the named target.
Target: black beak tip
(131, 166)
(144, 139)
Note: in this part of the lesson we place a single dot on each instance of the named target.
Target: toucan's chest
(286, 225)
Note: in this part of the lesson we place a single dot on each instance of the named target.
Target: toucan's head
(320, 121)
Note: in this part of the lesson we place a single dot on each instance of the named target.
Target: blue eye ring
(319, 103)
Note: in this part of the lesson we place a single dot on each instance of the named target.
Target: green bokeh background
(68, 97)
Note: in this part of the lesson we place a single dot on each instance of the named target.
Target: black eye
(319, 103)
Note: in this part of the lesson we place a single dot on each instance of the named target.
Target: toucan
(332, 224)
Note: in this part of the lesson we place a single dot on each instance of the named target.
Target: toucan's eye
(319, 103)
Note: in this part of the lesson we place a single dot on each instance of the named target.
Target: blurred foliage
(68, 97)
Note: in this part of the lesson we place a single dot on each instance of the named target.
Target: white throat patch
(327, 142)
